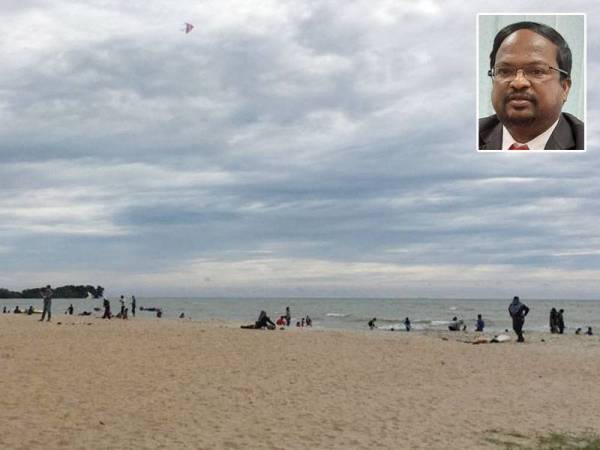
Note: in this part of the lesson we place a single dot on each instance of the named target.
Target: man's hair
(563, 54)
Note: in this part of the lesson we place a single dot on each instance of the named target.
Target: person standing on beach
(288, 315)
(480, 323)
(560, 321)
(133, 305)
(407, 324)
(106, 305)
(46, 294)
(122, 312)
(518, 311)
(553, 320)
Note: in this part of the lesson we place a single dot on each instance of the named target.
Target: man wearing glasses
(530, 68)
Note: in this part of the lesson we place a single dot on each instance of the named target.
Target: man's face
(521, 102)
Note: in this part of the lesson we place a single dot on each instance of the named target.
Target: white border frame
(519, 13)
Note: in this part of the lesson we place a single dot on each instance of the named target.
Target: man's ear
(566, 86)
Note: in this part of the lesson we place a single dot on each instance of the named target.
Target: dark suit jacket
(568, 134)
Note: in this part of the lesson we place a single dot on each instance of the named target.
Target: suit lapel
(493, 140)
(562, 137)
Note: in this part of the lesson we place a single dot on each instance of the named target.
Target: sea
(346, 313)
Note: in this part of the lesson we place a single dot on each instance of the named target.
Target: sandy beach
(88, 383)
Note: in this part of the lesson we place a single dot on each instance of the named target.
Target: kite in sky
(188, 27)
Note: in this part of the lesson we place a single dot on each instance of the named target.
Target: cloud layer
(288, 148)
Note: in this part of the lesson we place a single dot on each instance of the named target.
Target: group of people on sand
(47, 294)
(517, 311)
(264, 321)
(123, 312)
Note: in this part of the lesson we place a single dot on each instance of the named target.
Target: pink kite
(188, 27)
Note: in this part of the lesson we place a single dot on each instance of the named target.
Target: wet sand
(89, 383)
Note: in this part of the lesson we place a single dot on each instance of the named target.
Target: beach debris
(499, 338)
(188, 28)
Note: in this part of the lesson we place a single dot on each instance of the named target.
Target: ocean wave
(337, 315)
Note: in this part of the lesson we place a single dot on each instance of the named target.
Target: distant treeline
(69, 291)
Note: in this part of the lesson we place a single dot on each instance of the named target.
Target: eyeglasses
(533, 72)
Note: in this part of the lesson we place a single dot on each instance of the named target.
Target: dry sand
(88, 383)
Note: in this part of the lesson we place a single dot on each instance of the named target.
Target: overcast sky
(282, 148)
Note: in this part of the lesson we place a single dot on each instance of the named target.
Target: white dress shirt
(537, 143)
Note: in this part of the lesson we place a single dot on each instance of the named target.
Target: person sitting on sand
(407, 324)
(589, 331)
(85, 313)
(263, 322)
(182, 316)
(372, 323)
(30, 310)
(281, 321)
(17, 310)
(480, 323)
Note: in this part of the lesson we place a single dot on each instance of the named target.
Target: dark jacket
(568, 134)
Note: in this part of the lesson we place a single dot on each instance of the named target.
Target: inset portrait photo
(531, 82)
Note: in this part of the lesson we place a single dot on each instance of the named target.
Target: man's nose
(520, 81)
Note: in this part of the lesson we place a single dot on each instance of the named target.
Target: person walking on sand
(46, 294)
(518, 311)
(133, 305)
(106, 305)
(560, 321)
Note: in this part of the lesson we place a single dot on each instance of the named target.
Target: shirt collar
(537, 143)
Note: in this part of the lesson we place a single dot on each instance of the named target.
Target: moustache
(520, 96)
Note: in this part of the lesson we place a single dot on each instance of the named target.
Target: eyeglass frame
(492, 76)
